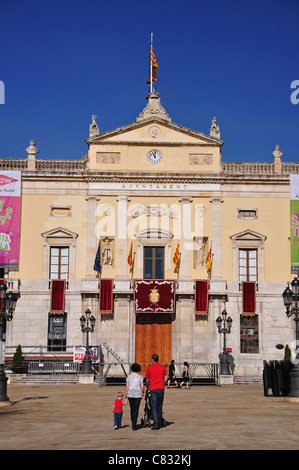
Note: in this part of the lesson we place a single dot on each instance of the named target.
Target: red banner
(248, 289)
(201, 297)
(154, 296)
(106, 296)
(57, 296)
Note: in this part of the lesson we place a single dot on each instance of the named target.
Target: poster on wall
(10, 201)
(94, 352)
(294, 198)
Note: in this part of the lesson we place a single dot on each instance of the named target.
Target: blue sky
(62, 61)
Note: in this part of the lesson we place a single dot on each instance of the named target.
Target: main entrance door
(153, 336)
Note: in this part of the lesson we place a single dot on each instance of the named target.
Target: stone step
(250, 380)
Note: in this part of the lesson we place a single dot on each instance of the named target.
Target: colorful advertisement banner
(294, 197)
(10, 201)
(79, 353)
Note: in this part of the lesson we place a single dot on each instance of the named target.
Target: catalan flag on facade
(130, 258)
(209, 261)
(176, 257)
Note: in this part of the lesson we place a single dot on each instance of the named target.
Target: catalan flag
(209, 260)
(154, 64)
(154, 67)
(130, 258)
(176, 257)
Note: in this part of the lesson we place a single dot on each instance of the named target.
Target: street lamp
(87, 326)
(7, 307)
(225, 329)
(290, 300)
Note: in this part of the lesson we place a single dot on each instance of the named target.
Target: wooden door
(153, 336)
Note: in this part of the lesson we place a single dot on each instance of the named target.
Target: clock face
(154, 156)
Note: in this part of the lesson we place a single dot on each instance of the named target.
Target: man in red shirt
(156, 376)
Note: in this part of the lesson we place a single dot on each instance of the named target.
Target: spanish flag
(209, 260)
(130, 259)
(154, 67)
(176, 258)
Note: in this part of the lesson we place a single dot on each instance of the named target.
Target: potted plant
(17, 362)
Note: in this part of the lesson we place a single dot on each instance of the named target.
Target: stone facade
(115, 193)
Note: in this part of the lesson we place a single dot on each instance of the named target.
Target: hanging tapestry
(154, 296)
(57, 296)
(201, 297)
(106, 296)
(248, 289)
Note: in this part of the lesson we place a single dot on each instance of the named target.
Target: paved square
(79, 417)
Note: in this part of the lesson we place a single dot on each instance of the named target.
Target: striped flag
(154, 64)
(130, 258)
(176, 257)
(209, 260)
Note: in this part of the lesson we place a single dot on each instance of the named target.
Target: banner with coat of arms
(154, 296)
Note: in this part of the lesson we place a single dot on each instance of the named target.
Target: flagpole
(151, 62)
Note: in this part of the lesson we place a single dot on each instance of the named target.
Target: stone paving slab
(79, 417)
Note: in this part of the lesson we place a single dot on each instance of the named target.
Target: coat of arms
(154, 297)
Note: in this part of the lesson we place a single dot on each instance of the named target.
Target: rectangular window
(59, 262)
(249, 334)
(153, 262)
(247, 265)
(57, 333)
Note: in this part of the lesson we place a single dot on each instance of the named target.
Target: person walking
(134, 392)
(171, 374)
(185, 375)
(117, 409)
(156, 376)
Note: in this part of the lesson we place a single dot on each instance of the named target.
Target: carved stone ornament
(32, 150)
(153, 108)
(93, 127)
(215, 130)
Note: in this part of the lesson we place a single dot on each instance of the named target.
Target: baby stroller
(147, 420)
(148, 415)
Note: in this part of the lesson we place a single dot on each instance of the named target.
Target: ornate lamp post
(7, 307)
(291, 300)
(87, 326)
(225, 329)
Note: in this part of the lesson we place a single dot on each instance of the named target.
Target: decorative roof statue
(215, 130)
(93, 127)
(277, 159)
(32, 150)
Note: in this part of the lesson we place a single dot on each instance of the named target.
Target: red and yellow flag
(154, 64)
(130, 258)
(176, 257)
(209, 260)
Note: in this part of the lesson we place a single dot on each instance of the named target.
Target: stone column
(186, 240)
(122, 217)
(216, 282)
(91, 239)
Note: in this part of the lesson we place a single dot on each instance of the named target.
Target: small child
(118, 409)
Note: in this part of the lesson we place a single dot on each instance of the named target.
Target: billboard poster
(10, 202)
(79, 353)
(294, 207)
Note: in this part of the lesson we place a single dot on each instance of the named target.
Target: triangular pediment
(154, 130)
(248, 235)
(59, 232)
